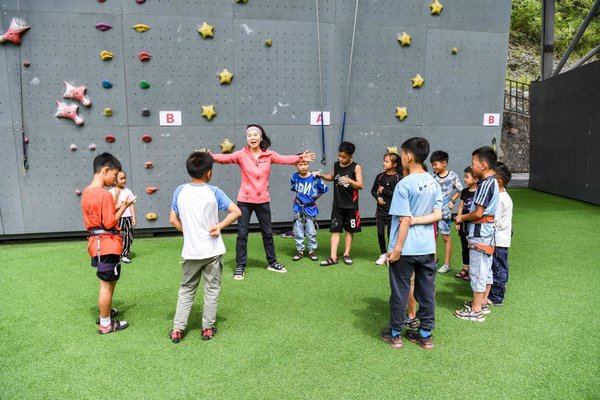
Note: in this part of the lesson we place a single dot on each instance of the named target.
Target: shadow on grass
(372, 315)
(453, 295)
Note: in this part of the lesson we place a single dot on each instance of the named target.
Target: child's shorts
(444, 226)
(345, 219)
(108, 268)
(480, 267)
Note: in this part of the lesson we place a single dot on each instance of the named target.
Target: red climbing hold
(110, 138)
(146, 138)
(151, 189)
(143, 56)
(14, 31)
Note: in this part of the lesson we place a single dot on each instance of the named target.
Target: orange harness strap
(486, 219)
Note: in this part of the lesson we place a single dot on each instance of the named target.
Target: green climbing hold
(144, 84)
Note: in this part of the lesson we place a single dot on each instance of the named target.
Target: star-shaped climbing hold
(208, 111)
(393, 150)
(436, 8)
(417, 81)
(227, 147)
(401, 113)
(206, 30)
(15, 31)
(404, 39)
(225, 77)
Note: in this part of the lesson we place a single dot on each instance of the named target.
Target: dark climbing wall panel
(275, 86)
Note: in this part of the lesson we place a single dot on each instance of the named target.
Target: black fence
(565, 134)
(516, 97)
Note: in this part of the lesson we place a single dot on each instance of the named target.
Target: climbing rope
(323, 157)
(349, 70)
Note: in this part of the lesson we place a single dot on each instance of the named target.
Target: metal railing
(516, 97)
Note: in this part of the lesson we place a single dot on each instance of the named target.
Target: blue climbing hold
(106, 84)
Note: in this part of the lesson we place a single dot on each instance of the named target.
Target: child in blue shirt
(308, 189)
(416, 205)
(481, 234)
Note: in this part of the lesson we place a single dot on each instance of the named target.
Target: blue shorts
(480, 267)
(108, 268)
(444, 226)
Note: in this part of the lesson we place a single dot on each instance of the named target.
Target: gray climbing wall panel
(275, 86)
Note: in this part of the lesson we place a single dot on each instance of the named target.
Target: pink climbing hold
(26, 64)
(77, 192)
(151, 189)
(140, 1)
(103, 26)
(77, 93)
(92, 147)
(14, 32)
(148, 165)
(143, 56)
(73, 147)
(69, 111)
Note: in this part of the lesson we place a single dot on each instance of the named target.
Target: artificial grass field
(310, 333)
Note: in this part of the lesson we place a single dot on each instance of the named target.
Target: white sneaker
(382, 259)
(126, 260)
(444, 269)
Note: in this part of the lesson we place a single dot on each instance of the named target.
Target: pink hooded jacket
(255, 172)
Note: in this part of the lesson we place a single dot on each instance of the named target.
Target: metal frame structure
(548, 13)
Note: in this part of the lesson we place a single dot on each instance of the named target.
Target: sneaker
(394, 341)
(313, 256)
(469, 315)
(382, 259)
(276, 267)
(412, 323)
(298, 256)
(114, 326)
(126, 260)
(208, 333)
(425, 343)
(444, 269)
(239, 273)
(176, 335)
(347, 260)
(485, 308)
(113, 313)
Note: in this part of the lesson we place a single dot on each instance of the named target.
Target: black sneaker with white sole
(276, 267)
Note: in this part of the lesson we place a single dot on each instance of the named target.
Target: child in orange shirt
(105, 242)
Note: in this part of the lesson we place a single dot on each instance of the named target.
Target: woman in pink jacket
(255, 162)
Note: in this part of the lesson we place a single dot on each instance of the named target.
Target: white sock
(105, 322)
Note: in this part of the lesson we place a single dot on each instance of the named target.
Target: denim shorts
(444, 226)
(480, 267)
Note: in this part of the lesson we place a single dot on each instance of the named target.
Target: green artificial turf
(310, 333)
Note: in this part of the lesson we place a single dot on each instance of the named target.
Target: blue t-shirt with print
(415, 196)
(486, 196)
(307, 189)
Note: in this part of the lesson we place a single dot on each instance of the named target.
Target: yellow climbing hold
(208, 111)
(455, 50)
(151, 216)
(417, 81)
(206, 30)
(106, 55)
(225, 77)
(107, 112)
(436, 8)
(141, 27)
(401, 113)
(404, 39)
(269, 42)
(227, 147)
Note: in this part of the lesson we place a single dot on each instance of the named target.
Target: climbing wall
(137, 58)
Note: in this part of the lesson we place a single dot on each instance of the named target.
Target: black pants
(464, 244)
(400, 274)
(263, 214)
(381, 230)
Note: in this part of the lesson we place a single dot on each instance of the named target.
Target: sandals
(463, 274)
(347, 260)
(298, 256)
(328, 262)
